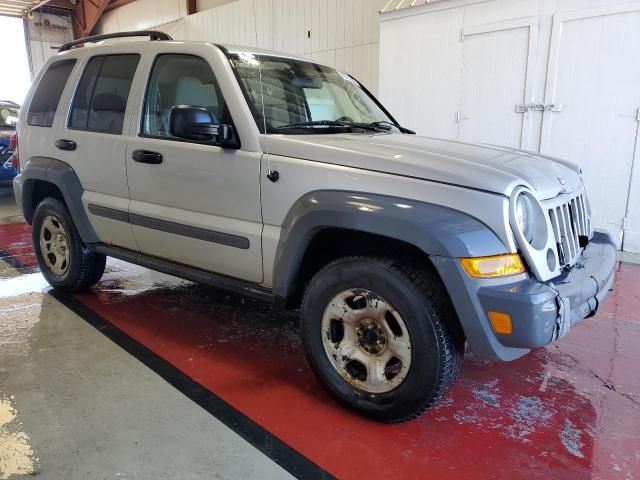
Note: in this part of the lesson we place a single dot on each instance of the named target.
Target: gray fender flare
(65, 178)
(434, 229)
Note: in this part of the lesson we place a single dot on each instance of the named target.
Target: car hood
(483, 167)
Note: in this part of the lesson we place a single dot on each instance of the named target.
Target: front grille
(569, 215)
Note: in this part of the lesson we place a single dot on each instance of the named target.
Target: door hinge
(460, 117)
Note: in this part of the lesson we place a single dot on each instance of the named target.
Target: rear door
(92, 142)
(198, 204)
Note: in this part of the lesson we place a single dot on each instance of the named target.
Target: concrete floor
(114, 383)
(74, 405)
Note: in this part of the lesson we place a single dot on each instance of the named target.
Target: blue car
(8, 119)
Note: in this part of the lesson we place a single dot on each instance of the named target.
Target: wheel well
(332, 243)
(42, 190)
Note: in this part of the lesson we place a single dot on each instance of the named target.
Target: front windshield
(8, 117)
(303, 97)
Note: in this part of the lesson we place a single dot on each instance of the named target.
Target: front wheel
(64, 260)
(381, 336)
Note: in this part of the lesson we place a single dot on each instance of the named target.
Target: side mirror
(197, 123)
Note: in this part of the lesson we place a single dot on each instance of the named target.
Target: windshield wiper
(399, 127)
(383, 125)
(331, 123)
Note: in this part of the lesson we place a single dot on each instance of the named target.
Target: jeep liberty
(284, 179)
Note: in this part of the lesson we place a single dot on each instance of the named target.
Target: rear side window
(103, 92)
(45, 100)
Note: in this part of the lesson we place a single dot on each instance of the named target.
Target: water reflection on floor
(569, 410)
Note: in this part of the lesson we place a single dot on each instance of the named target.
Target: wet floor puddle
(16, 454)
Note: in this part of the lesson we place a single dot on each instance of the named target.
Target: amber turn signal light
(492, 267)
(501, 322)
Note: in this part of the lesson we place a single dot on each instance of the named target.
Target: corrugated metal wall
(340, 33)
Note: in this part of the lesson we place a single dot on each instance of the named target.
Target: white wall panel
(423, 55)
(590, 66)
(344, 31)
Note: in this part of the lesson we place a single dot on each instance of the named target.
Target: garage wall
(205, 4)
(142, 14)
(532, 74)
(340, 33)
(45, 34)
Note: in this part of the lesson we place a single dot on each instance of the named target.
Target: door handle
(68, 145)
(146, 156)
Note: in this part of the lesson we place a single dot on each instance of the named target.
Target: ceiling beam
(192, 7)
(86, 15)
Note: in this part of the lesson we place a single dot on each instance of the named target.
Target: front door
(592, 84)
(498, 63)
(196, 204)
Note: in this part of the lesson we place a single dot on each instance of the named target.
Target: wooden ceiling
(21, 8)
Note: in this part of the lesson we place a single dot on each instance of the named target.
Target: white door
(592, 82)
(497, 87)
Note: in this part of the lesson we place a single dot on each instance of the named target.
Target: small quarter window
(179, 79)
(44, 103)
(101, 99)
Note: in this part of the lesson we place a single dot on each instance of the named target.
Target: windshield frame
(257, 116)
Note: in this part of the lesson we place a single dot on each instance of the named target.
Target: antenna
(271, 175)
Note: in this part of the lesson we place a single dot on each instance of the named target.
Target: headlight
(532, 229)
(524, 216)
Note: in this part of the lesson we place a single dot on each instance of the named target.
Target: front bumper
(541, 312)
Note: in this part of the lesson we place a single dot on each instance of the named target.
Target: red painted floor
(571, 410)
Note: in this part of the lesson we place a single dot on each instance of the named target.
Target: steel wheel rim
(366, 340)
(54, 245)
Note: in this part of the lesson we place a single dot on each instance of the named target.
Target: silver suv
(286, 180)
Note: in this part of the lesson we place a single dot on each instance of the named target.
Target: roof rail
(153, 34)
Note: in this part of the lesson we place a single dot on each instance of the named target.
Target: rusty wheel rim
(366, 340)
(54, 245)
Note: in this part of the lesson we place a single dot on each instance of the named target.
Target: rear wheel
(64, 260)
(381, 336)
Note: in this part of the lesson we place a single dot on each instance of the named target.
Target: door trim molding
(533, 24)
(110, 213)
(597, 12)
(198, 233)
(503, 25)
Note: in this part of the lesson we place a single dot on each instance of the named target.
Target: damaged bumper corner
(541, 312)
(582, 289)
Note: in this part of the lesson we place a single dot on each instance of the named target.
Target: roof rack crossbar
(152, 34)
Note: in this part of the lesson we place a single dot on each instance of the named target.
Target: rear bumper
(17, 191)
(541, 312)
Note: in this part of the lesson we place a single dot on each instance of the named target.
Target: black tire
(419, 297)
(85, 268)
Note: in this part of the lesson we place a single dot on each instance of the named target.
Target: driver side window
(178, 79)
